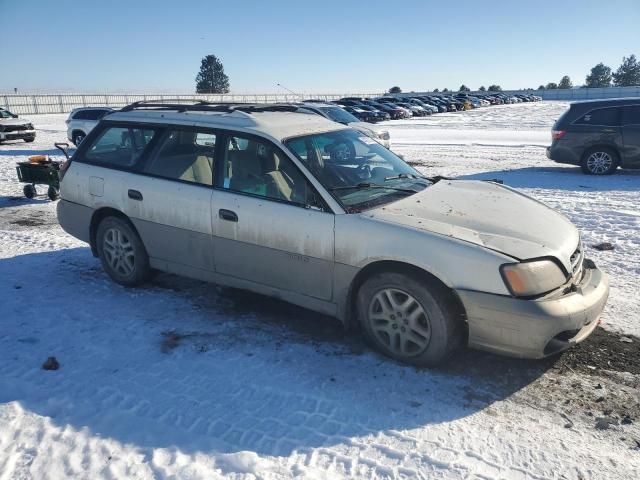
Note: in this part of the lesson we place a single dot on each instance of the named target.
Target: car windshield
(7, 114)
(358, 171)
(337, 114)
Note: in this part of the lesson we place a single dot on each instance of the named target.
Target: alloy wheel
(599, 162)
(118, 252)
(399, 322)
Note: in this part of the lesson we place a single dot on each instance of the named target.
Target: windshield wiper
(405, 175)
(364, 186)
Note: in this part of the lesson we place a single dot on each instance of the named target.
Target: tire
(29, 140)
(52, 193)
(77, 138)
(600, 161)
(409, 318)
(29, 191)
(122, 253)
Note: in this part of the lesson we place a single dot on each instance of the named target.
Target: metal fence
(64, 103)
(569, 93)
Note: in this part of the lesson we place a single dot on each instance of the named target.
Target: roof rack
(204, 106)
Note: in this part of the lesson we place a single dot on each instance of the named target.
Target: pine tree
(599, 77)
(211, 78)
(436, 91)
(628, 74)
(464, 88)
(565, 82)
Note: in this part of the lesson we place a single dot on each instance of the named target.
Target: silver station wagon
(295, 206)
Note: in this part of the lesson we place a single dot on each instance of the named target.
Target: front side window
(257, 167)
(185, 155)
(356, 169)
(119, 146)
(609, 117)
(7, 114)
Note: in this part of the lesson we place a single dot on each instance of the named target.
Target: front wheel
(409, 318)
(600, 161)
(29, 191)
(121, 252)
(53, 193)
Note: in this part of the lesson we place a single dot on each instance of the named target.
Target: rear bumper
(536, 328)
(560, 154)
(18, 135)
(75, 219)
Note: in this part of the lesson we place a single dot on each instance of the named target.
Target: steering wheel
(364, 171)
(341, 152)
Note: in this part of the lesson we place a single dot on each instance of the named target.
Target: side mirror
(401, 156)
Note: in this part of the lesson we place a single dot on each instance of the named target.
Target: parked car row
(393, 107)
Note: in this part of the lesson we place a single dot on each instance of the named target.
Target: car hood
(13, 121)
(486, 214)
(363, 127)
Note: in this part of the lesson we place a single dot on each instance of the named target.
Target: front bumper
(17, 135)
(536, 328)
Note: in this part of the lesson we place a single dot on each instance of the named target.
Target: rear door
(631, 136)
(598, 126)
(169, 200)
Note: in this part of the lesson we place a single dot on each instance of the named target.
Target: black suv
(598, 135)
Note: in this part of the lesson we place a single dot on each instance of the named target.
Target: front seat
(279, 184)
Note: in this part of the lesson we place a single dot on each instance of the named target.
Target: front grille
(576, 259)
(15, 128)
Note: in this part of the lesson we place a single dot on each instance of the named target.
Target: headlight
(384, 135)
(535, 277)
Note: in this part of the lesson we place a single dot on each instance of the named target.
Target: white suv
(297, 207)
(82, 120)
(14, 128)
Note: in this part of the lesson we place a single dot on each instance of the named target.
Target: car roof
(607, 102)
(278, 125)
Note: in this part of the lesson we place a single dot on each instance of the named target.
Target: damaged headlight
(534, 277)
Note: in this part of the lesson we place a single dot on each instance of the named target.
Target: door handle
(227, 215)
(135, 195)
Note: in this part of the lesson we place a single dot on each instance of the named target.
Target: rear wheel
(121, 252)
(77, 138)
(409, 318)
(600, 161)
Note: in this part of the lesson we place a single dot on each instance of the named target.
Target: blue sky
(323, 46)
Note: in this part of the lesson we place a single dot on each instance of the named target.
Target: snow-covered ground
(182, 379)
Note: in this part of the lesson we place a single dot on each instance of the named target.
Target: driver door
(269, 229)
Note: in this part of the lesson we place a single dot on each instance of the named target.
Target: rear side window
(609, 117)
(631, 115)
(185, 155)
(90, 114)
(119, 146)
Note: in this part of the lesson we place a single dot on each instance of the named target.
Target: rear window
(90, 114)
(119, 146)
(609, 117)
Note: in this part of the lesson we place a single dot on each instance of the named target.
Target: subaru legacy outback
(292, 205)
